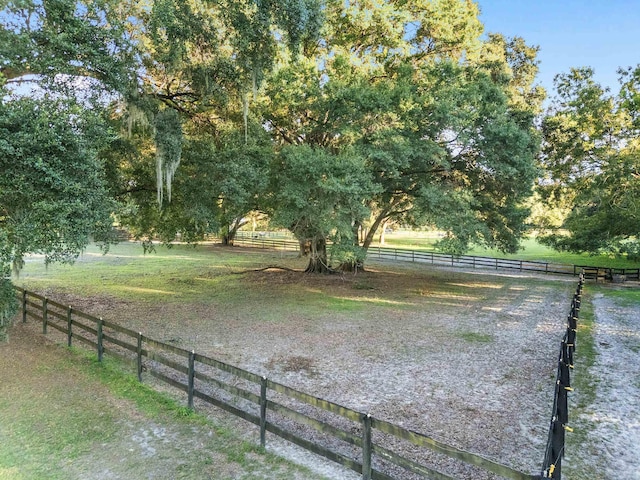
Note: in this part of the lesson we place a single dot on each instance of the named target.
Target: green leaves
(53, 196)
(318, 113)
(319, 196)
(414, 91)
(65, 37)
(591, 158)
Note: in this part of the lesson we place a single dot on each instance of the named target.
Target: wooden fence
(372, 447)
(551, 467)
(464, 261)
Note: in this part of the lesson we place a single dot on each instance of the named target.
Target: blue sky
(601, 34)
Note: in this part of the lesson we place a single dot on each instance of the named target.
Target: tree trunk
(362, 234)
(230, 232)
(318, 262)
(382, 232)
(353, 266)
(384, 215)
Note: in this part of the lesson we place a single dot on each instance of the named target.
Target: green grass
(207, 275)
(628, 296)
(81, 408)
(210, 277)
(159, 406)
(532, 251)
(476, 337)
(51, 427)
(171, 275)
(125, 386)
(586, 353)
(584, 384)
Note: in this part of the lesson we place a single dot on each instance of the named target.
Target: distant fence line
(560, 415)
(362, 443)
(465, 261)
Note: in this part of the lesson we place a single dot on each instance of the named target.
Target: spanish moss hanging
(168, 150)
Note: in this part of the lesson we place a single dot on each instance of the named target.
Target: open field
(465, 357)
(531, 250)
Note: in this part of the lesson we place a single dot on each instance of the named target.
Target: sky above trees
(571, 33)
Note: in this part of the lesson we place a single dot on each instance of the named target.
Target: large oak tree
(440, 121)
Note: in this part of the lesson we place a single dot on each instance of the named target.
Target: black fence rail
(610, 274)
(552, 465)
(471, 261)
(463, 261)
(372, 447)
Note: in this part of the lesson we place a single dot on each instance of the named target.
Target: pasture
(465, 357)
(530, 250)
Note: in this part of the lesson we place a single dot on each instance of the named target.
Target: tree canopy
(591, 158)
(438, 118)
(53, 196)
(331, 117)
(52, 187)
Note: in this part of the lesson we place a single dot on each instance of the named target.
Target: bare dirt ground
(611, 421)
(468, 358)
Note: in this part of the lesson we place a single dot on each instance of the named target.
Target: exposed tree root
(270, 267)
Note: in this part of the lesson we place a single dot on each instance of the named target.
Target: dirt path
(59, 421)
(612, 420)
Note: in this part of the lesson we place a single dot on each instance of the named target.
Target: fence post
(45, 302)
(24, 306)
(192, 375)
(139, 352)
(571, 345)
(366, 447)
(69, 334)
(100, 346)
(263, 411)
(557, 449)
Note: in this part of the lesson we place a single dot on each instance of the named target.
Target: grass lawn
(532, 251)
(65, 416)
